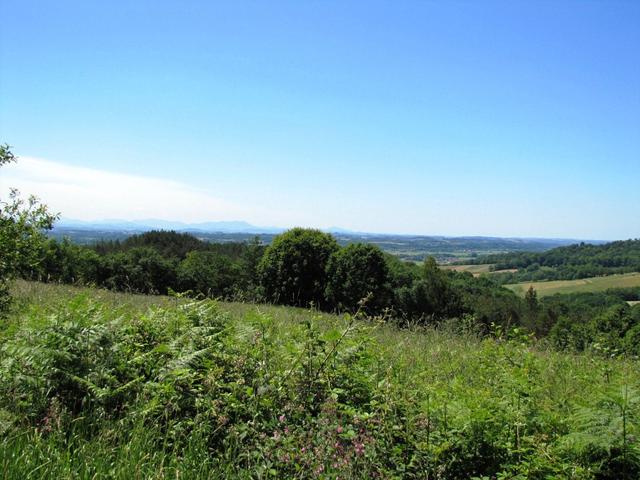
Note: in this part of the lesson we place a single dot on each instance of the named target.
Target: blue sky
(440, 118)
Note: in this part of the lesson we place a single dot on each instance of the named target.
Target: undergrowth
(90, 389)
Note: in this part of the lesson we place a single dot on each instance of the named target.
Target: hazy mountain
(156, 224)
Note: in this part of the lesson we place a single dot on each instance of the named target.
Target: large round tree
(356, 272)
(293, 268)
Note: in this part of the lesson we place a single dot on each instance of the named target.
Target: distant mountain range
(407, 247)
(156, 224)
(136, 226)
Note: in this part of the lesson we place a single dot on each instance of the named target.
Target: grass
(594, 284)
(96, 384)
(474, 269)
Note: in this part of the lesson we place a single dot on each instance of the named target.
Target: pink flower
(339, 429)
(282, 418)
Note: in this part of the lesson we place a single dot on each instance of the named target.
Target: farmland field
(476, 270)
(594, 284)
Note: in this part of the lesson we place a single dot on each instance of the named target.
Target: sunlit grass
(392, 402)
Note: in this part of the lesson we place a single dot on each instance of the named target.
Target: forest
(566, 263)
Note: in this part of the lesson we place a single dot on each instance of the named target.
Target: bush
(356, 272)
(208, 273)
(293, 268)
(21, 238)
(87, 390)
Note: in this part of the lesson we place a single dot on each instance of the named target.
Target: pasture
(594, 284)
(476, 270)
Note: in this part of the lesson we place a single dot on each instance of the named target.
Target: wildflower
(282, 418)
(339, 429)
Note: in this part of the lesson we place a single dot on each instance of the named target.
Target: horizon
(148, 224)
(461, 119)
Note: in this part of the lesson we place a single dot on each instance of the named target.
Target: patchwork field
(593, 284)
(476, 270)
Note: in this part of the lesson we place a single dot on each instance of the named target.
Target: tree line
(307, 268)
(567, 263)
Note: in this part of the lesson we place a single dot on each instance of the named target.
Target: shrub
(293, 268)
(354, 273)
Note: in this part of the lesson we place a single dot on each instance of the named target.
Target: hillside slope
(107, 385)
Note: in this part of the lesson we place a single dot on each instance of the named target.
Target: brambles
(87, 389)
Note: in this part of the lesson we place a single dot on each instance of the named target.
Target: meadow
(473, 269)
(477, 270)
(97, 384)
(593, 284)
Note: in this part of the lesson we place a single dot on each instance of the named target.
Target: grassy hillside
(95, 384)
(595, 284)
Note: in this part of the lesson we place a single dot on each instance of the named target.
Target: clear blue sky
(482, 118)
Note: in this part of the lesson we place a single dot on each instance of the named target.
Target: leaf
(332, 335)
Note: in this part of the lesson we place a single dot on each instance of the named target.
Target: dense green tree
(66, 262)
(487, 301)
(293, 268)
(431, 296)
(401, 273)
(355, 272)
(567, 263)
(209, 274)
(167, 242)
(140, 270)
(21, 224)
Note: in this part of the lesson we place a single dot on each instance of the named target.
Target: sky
(505, 118)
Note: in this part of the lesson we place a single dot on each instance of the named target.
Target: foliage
(88, 390)
(140, 269)
(293, 268)
(306, 266)
(209, 274)
(430, 295)
(21, 224)
(356, 272)
(168, 243)
(567, 263)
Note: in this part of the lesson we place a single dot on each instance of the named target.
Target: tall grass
(101, 385)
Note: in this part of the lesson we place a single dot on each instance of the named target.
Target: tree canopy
(293, 268)
(21, 239)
